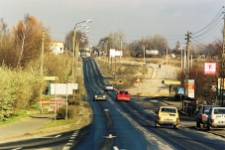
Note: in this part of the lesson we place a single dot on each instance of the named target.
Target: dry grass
(126, 74)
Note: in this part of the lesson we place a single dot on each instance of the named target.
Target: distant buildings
(57, 47)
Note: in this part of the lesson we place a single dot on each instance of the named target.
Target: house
(114, 53)
(57, 47)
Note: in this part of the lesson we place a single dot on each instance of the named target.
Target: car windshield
(206, 109)
(169, 110)
(123, 92)
(97, 92)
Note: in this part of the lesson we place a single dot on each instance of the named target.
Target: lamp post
(74, 37)
(167, 56)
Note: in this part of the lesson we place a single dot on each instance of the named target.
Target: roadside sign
(180, 90)
(63, 88)
(171, 82)
(210, 68)
(51, 78)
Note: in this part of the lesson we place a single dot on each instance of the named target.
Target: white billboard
(63, 88)
(114, 53)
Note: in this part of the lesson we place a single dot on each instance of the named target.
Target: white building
(114, 53)
(57, 47)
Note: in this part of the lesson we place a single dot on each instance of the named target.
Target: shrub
(18, 90)
(72, 112)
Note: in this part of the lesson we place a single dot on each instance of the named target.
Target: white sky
(137, 18)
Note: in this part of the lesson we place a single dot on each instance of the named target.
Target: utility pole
(223, 65)
(42, 62)
(74, 37)
(115, 70)
(187, 62)
(42, 52)
(167, 56)
(76, 57)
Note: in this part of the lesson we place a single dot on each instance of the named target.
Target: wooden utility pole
(42, 52)
(74, 37)
(187, 62)
(223, 66)
(115, 70)
(76, 58)
(42, 62)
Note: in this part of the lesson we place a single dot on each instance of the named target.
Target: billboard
(221, 86)
(114, 53)
(63, 88)
(190, 88)
(210, 68)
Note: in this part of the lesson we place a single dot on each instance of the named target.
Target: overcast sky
(136, 18)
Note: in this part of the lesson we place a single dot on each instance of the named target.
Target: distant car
(202, 115)
(108, 86)
(167, 115)
(99, 95)
(123, 95)
(216, 118)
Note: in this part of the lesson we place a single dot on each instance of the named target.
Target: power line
(218, 25)
(216, 17)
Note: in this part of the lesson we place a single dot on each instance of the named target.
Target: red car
(123, 95)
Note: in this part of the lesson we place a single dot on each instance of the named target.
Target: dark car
(99, 95)
(202, 115)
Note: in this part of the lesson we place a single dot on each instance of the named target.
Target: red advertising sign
(210, 68)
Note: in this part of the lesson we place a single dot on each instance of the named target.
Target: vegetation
(22, 83)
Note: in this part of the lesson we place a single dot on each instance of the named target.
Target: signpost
(180, 91)
(63, 89)
(170, 83)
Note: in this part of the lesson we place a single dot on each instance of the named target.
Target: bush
(72, 112)
(18, 90)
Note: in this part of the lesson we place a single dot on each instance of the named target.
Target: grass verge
(18, 116)
(56, 123)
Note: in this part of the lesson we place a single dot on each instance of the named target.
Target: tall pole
(74, 37)
(42, 63)
(76, 57)
(181, 58)
(42, 53)
(144, 54)
(223, 64)
(121, 48)
(187, 63)
(167, 56)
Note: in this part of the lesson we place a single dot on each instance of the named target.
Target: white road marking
(17, 148)
(115, 148)
(49, 137)
(109, 136)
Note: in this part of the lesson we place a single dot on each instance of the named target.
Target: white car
(108, 86)
(216, 118)
(167, 115)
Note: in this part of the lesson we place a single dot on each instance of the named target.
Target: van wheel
(197, 124)
(208, 127)
(156, 124)
(176, 126)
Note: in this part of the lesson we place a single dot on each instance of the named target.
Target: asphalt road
(132, 127)
(124, 125)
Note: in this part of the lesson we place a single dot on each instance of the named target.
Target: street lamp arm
(78, 23)
(82, 22)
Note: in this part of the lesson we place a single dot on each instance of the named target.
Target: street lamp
(182, 56)
(74, 37)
